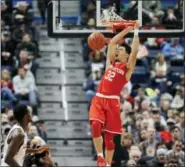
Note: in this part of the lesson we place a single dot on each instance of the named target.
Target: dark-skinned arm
(16, 141)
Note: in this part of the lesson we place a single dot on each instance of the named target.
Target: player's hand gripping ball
(96, 41)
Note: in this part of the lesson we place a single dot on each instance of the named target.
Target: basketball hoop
(113, 21)
(118, 24)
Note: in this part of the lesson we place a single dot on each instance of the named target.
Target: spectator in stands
(148, 147)
(23, 58)
(143, 53)
(24, 87)
(90, 87)
(161, 66)
(89, 13)
(155, 22)
(170, 20)
(178, 101)
(23, 13)
(157, 117)
(181, 125)
(126, 142)
(128, 14)
(34, 137)
(135, 154)
(145, 105)
(41, 128)
(144, 124)
(177, 153)
(19, 31)
(131, 163)
(122, 148)
(29, 74)
(126, 93)
(6, 12)
(151, 9)
(143, 135)
(27, 44)
(159, 74)
(7, 86)
(7, 49)
(173, 50)
(42, 6)
(160, 159)
(172, 163)
(27, 61)
(176, 136)
(91, 23)
(126, 108)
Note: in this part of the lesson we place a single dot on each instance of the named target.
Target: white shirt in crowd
(23, 84)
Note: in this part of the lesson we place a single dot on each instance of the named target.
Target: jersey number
(110, 75)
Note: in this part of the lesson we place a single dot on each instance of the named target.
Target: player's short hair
(127, 48)
(20, 111)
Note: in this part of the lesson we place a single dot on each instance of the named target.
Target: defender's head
(22, 113)
(122, 53)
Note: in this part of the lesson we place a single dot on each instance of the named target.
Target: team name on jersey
(118, 70)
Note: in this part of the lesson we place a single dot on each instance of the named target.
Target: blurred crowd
(19, 62)
(155, 14)
(152, 110)
(158, 14)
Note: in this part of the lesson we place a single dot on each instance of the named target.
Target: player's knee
(109, 141)
(96, 129)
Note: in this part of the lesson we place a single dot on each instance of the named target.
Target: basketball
(96, 41)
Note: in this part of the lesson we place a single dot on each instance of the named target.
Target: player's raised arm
(132, 58)
(111, 53)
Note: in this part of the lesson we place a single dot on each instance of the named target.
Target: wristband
(136, 32)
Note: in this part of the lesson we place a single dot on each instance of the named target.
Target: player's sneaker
(101, 162)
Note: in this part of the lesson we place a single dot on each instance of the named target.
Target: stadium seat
(9, 68)
(74, 76)
(77, 111)
(50, 93)
(75, 130)
(71, 148)
(73, 60)
(51, 111)
(75, 94)
(48, 76)
(140, 75)
(152, 54)
(174, 77)
(50, 61)
(177, 66)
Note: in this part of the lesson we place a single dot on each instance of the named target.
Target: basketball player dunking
(105, 107)
(16, 140)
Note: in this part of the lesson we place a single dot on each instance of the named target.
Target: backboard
(79, 18)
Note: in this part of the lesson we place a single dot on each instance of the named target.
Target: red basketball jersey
(113, 80)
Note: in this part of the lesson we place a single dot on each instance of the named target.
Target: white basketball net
(109, 15)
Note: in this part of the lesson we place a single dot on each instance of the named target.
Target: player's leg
(97, 120)
(98, 141)
(109, 147)
(96, 135)
(112, 127)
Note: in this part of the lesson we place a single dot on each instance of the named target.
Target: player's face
(29, 115)
(121, 54)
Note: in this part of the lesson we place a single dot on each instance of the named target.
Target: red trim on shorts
(96, 120)
(112, 131)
